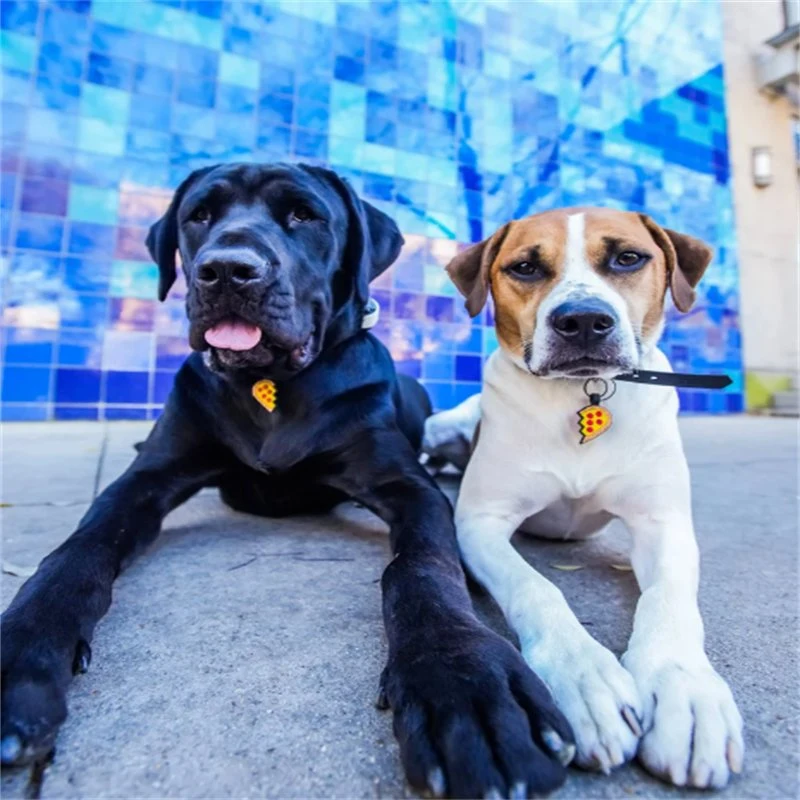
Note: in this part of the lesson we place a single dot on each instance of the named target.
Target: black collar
(680, 379)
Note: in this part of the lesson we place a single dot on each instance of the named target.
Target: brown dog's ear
(469, 270)
(687, 260)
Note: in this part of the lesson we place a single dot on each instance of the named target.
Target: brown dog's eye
(629, 260)
(200, 214)
(525, 269)
(302, 213)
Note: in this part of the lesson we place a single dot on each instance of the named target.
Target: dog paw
(693, 727)
(35, 677)
(473, 721)
(596, 694)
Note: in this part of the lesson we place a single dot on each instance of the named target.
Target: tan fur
(516, 302)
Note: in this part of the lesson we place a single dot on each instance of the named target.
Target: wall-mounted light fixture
(762, 166)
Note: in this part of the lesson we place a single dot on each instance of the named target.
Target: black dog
(278, 260)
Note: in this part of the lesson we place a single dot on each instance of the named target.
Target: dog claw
(83, 657)
(382, 701)
(493, 794)
(735, 757)
(436, 782)
(10, 749)
(629, 715)
(519, 791)
(557, 746)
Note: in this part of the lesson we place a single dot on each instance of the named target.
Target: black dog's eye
(201, 214)
(629, 260)
(302, 213)
(525, 269)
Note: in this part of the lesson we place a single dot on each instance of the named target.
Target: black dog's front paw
(35, 677)
(472, 720)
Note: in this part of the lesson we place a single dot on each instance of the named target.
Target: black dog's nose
(584, 322)
(229, 268)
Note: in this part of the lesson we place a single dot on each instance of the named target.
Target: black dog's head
(277, 258)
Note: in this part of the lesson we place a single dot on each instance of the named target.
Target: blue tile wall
(451, 116)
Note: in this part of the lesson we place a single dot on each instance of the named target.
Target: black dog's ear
(469, 270)
(162, 240)
(373, 239)
(687, 260)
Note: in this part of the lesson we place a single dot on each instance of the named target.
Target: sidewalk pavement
(241, 656)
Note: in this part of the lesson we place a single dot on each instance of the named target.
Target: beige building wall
(766, 218)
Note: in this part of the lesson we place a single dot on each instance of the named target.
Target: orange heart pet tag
(266, 392)
(593, 420)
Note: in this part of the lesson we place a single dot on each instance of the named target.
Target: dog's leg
(47, 629)
(590, 687)
(693, 727)
(471, 719)
(449, 435)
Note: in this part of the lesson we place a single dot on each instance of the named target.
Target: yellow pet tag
(594, 419)
(266, 392)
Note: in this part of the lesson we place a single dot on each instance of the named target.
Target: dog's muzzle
(585, 340)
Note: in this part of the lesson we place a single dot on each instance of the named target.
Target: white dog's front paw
(693, 728)
(596, 694)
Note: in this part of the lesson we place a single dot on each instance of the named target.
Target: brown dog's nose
(236, 269)
(584, 323)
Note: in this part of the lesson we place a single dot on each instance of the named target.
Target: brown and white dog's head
(579, 292)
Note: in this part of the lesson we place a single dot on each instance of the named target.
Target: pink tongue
(233, 336)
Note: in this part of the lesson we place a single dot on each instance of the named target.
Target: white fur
(528, 469)
(579, 280)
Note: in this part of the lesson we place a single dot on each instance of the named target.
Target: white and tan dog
(578, 294)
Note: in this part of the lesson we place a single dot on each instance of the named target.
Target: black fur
(468, 714)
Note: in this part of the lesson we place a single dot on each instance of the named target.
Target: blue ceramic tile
(57, 93)
(96, 169)
(109, 71)
(239, 70)
(198, 61)
(44, 197)
(83, 311)
(77, 386)
(236, 99)
(195, 92)
(38, 232)
(208, 8)
(8, 190)
(28, 346)
(468, 368)
(19, 16)
(86, 274)
(126, 387)
(311, 146)
(65, 28)
(16, 85)
(60, 61)
(162, 385)
(90, 239)
(152, 112)
(80, 348)
(152, 80)
(26, 384)
(349, 69)
(275, 110)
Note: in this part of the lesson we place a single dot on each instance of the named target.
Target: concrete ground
(241, 656)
